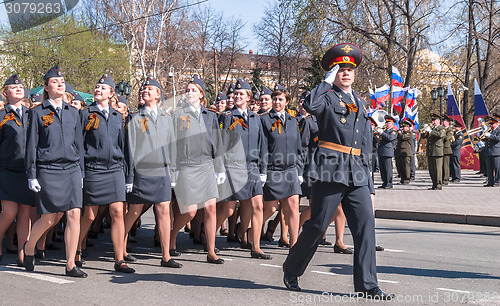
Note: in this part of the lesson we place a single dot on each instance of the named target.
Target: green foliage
(256, 74)
(83, 57)
(315, 74)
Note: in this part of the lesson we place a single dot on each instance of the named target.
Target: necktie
(282, 118)
(245, 116)
(197, 114)
(153, 115)
(58, 111)
(18, 111)
(105, 113)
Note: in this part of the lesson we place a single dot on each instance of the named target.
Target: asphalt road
(424, 264)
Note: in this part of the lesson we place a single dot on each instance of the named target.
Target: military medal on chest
(342, 120)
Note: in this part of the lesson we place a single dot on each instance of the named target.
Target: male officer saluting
(340, 171)
(386, 151)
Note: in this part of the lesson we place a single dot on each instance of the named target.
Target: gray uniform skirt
(61, 190)
(103, 187)
(281, 184)
(252, 187)
(14, 187)
(196, 184)
(151, 189)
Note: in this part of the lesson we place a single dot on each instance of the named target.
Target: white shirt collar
(195, 109)
(242, 111)
(101, 108)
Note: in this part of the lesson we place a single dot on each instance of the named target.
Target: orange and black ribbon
(94, 120)
(238, 121)
(48, 119)
(144, 124)
(352, 107)
(278, 125)
(9, 117)
(187, 119)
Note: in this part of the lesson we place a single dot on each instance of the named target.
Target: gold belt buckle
(351, 152)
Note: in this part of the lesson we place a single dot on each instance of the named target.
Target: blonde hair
(2, 92)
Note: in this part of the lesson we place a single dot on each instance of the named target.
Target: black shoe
(324, 242)
(487, 185)
(76, 272)
(291, 282)
(283, 244)
(232, 239)
(129, 258)
(268, 236)
(79, 263)
(382, 186)
(388, 187)
(376, 294)
(52, 247)
(29, 261)
(224, 232)
(217, 261)
(11, 251)
(121, 266)
(174, 253)
(40, 253)
(245, 245)
(337, 249)
(432, 188)
(379, 248)
(170, 263)
(260, 255)
(216, 250)
(186, 229)
(18, 262)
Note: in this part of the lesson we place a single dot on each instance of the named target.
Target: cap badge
(347, 49)
(346, 58)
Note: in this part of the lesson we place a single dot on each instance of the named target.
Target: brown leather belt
(339, 148)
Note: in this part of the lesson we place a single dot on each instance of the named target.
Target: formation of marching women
(64, 161)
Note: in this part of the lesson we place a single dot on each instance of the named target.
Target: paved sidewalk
(467, 202)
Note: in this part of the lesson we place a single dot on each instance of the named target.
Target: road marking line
(392, 250)
(388, 281)
(36, 276)
(272, 266)
(326, 273)
(227, 259)
(453, 290)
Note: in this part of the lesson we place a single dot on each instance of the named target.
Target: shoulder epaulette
(178, 108)
(264, 113)
(213, 111)
(310, 116)
(85, 108)
(136, 111)
(226, 113)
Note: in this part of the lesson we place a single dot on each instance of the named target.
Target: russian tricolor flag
(397, 80)
(372, 98)
(398, 94)
(479, 107)
(411, 97)
(382, 95)
(413, 115)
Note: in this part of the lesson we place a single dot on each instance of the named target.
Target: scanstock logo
(25, 14)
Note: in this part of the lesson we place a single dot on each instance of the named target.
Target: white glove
(330, 75)
(487, 135)
(82, 182)
(380, 131)
(263, 179)
(220, 177)
(301, 179)
(428, 129)
(129, 187)
(33, 185)
(172, 184)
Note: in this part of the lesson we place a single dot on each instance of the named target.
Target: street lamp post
(440, 92)
(171, 75)
(434, 95)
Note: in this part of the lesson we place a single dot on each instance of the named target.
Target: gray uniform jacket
(13, 138)
(387, 141)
